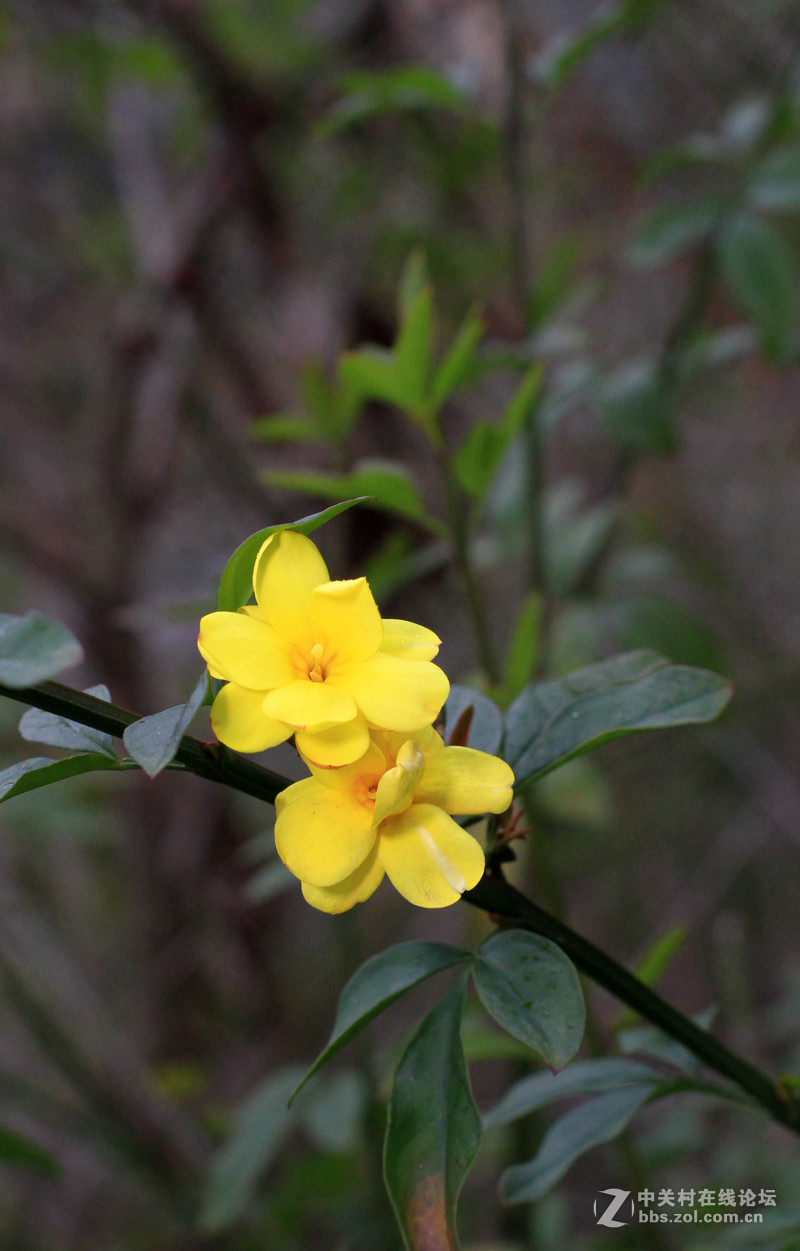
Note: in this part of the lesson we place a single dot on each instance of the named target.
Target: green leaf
(574, 539)
(236, 583)
(532, 989)
(372, 373)
(333, 405)
(413, 281)
(153, 741)
(29, 775)
(523, 649)
(671, 230)
(652, 967)
(459, 363)
(410, 87)
(775, 182)
(565, 53)
(598, 1120)
(33, 648)
(586, 1077)
(332, 1112)
(377, 983)
(413, 352)
(22, 1152)
(761, 271)
(639, 410)
(37, 726)
(551, 722)
(478, 458)
(486, 725)
(553, 281)
(285, 428)
(433, 1131)
(259, 1128)
(381, 484)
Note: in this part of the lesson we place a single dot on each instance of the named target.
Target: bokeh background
(202, 206)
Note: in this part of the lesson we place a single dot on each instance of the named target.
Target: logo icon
(609, 1211)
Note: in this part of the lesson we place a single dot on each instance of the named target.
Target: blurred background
(203, 206)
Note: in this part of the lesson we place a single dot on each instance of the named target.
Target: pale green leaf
(532, 989)
(33, 648)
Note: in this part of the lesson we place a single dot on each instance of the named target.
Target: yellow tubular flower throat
(313, 658)
(390, 812)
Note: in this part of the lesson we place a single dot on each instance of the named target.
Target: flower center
(315, 672)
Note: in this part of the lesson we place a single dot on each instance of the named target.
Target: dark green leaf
(153, 741)
(434, 1129)
(551, 722)
(29, 775)
(586, 1077)
(376, 985)
(381, 484)
(672, 230)
(236, 583)
(532, 989)
(37, 726)
(761, 271)
(22, 1152)
(260, 1126)
(639, 410)
(33, 648)
(575, 539)
(486, 725)
(775, 183)
(598, 1120)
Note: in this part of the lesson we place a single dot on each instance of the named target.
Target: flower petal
(396, 694)
(462, 780)
(238, 720)
(244, 650)
(322, 835)
(329, 750)
(408, 641)
(293, 792)
(428, 857)
(345, 619)
(396, 787)
(358, 775)
(311, 706)
(354, 889)
(287, 569)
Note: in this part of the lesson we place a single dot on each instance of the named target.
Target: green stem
(493, 895)
(207, 760)
(498, 897)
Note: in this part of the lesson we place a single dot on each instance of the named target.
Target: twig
(493, 895)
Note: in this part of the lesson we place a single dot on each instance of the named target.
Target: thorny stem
(492, 894)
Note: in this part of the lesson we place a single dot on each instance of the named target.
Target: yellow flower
(313, 658)
(340, 830)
